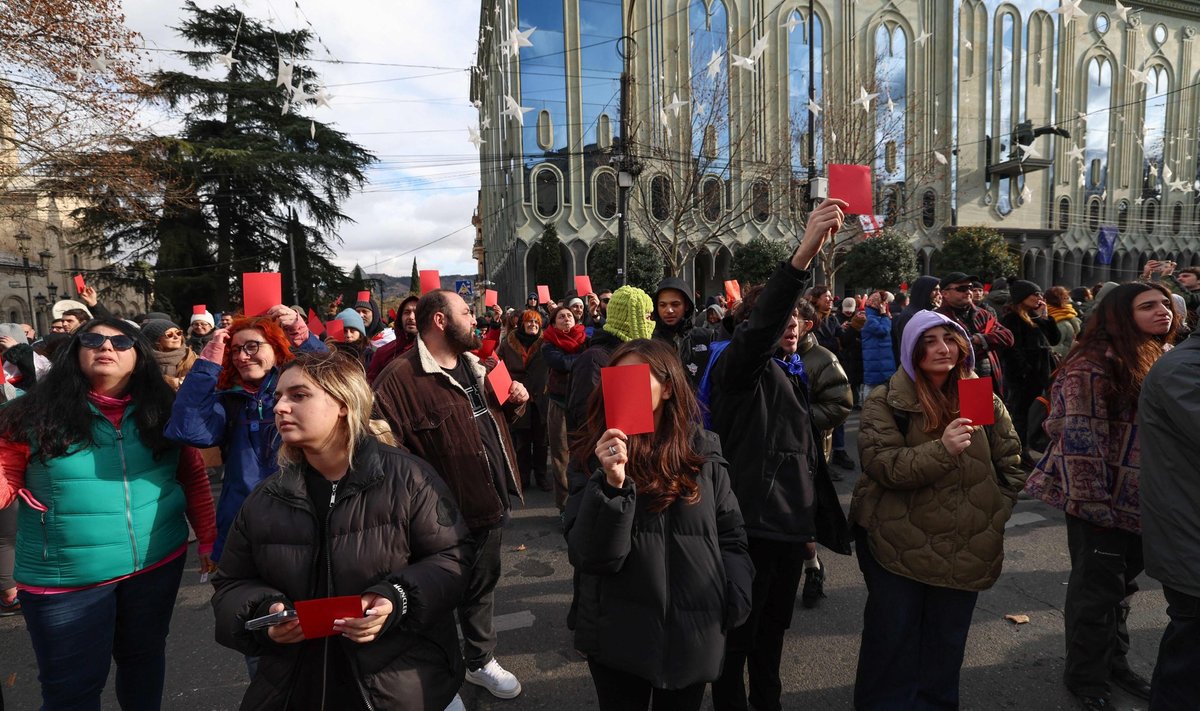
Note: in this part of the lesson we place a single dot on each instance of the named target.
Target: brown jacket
(929, 516)
(431, 416)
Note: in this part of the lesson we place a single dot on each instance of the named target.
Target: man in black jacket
(760, 408)
(673, 311)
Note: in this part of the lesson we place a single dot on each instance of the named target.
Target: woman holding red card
(346, 515)
(1091, 471)
(563, 341)
(928, 516)
(661, 560)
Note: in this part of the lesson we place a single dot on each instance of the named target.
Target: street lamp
(23, 240)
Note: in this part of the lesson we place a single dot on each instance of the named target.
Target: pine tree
(414, 285)
(549, 261)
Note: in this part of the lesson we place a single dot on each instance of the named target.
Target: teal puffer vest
(111, 510)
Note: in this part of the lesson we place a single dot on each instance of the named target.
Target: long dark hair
(664, 464)
(940, 405)
(55, 415)
(1111, 337)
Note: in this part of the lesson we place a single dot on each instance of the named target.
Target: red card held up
(486, 350)
(317, 616)
(975, 401)
(491, 298)
(543, 294)
(261, 291)
(852, 183)
(583, 285)
(733, 292)
(335, 330)
(627, 401)
(79, 283)
(500, 381)
(430, 280)
(364, 296)
(314, 324)
(199, 309)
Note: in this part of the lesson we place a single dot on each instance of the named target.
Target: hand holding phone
(282, 625)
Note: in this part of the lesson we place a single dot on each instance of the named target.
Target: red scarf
(111, 407)
(567, 341)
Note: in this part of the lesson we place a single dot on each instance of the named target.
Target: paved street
(1007, 666)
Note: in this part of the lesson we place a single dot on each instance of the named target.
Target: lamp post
(23, 240)
(622, 160)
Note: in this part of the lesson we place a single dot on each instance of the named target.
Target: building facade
(1052, 126)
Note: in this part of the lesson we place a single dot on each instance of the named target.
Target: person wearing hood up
(673, 310)
(355, 344)
(928, 476)
(1029, 365)
(369, 312)
(406, 338)
(925, 294)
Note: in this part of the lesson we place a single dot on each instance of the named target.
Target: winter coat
(656, 592)
(764, 418)
(527, 367)
(432, 417)
(931, 517)
(826, 330)
(920, 299)
(1030, 362)
(878, 363)
(1169, 422)
(1091, 468)
(585, 376)
(850, 354)
(673, 335)
(828, 386)
(392, 522)
(989, 339)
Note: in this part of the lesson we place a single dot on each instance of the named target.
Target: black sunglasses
(92, 340)
(961, 288)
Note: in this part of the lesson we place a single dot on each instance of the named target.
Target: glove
(214, 352)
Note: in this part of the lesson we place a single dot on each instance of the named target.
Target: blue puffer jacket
(878, 362)
(242, 424)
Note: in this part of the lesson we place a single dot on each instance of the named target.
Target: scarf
(112, 408)
(569, 341)
(527, 339)
(1061, 313)
(526, 345)
(169, 361)
(793, 366)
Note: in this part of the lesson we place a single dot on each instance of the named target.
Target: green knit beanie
(627, 311)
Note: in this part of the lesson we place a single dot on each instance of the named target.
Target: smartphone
(275, 618)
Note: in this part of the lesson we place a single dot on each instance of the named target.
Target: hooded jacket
(376, 324)
(878, 362)
(931, 517)
(920, 298)
(394, 523)
(673, 334)
(388, 352)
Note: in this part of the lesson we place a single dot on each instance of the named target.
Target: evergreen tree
(644, 262)
(882, 262)
(414, 284)
(549, 261)
(975, 250)
(756, 260)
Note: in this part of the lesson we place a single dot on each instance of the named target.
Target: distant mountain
(398, 287)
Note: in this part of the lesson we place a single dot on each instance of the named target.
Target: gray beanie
(154, 328)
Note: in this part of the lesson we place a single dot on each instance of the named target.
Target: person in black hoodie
(924, 295)
(760, 408)
(370, 314)
(673, 311)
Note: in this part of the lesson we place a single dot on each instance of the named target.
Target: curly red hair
(272, 334)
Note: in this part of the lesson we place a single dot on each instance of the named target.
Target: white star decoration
(1075, 153)
(792, 23)
(714, 65)
(675, 105)
(759, 48)
(1122, 12)
(814, 107)
(922, 38)
(474, 138)
(741, 62)
(1028, 151)
(1141, 77)
(514, 109)
(1026, 195)
(1070, 9)
(283, 76)
(227, 59)
(939, 157)
(864, 99)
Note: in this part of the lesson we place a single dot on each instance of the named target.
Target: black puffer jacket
(764, 418)
(920, 299)
(393, 522)
(656, 592)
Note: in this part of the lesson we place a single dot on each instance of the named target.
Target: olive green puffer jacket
(931, 517)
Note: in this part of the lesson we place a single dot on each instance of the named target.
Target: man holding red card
(438, 401)
(760, 407)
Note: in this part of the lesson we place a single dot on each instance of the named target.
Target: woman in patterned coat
(1090, 471)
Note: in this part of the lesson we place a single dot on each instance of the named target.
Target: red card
(852, 183)
(543, 294)
(975, 401)
(335, 329)
(500, 380)
(904, 286)
(430, 280)
(79, 284)
(364, 296)
(317, 616)
(261, 291)
(627, 402)
(199, 309)
(490, 298)
(733, 292)
(486, 350)
(583, 285)
(315, 326)
(338, 302)
(391, 315)
(987, 288)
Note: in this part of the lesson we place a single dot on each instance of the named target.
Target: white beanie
(206, 317)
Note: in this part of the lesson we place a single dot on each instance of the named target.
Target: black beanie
(1020, 290)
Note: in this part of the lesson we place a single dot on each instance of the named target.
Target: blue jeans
(77, 635)
(913, 639)
(839, 438)
(1176, 682)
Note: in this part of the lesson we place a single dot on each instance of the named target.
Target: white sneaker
(456, 704)
(493, 677)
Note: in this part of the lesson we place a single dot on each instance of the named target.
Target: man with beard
(673, 311)
(442, 409)
(406, 338)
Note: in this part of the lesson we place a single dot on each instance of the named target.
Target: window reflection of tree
(891, 83)
(606, 194)
(547, 192)
(1153, 133)
(660, 197)
(1099, 114)
(709, 98)
(797, 56)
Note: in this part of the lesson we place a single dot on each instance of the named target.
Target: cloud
(412, 117)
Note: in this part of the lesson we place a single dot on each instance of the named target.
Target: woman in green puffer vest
(101, 529)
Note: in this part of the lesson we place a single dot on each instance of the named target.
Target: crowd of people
(380, 463)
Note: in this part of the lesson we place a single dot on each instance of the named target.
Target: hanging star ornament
(741, 62)
(814, 108)
(1141, 77)
(518, 39)
(514, 109)
(891, 106)
(864, 99)
(283, 76)
(759, 48)
(1070, 9)
(485, 124)
(1026, 195)
(1180, 186)
(792, 23)
(322, 98)
(922, 38)
(1028, 151)
(312, 130)
(675, 105)
(967, 44)
(1122, 12)
(474, 138)
(662, 116)
(99, 63)
(1075, 153)
(940, 158)
(227, 59)
(714, 65)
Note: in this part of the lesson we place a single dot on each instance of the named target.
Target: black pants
(1104, 564)
(778, 568)
(1176, 682)
(913, 639)
(621, 691)
(531, 448)
(478, 605)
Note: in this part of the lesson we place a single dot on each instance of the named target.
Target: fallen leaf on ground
(520, 547)
(1017, 619)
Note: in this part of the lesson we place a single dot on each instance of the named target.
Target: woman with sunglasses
(228, 401)
(172, 355)
(102, 534)
(1029, 365)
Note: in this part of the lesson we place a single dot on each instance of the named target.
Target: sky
(413, 117)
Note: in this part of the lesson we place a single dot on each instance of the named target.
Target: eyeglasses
(92, 341)
(249, 348)
(961, 288)
(173, 334)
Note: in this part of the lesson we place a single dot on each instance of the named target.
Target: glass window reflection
(1154, 132)
(1099, 114)
(600, 30)
(709, 44)
(798, 79)
(891, 110)
(543, 78)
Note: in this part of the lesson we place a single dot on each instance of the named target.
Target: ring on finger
(612, 450)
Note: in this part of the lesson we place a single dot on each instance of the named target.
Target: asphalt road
(1007, 666)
